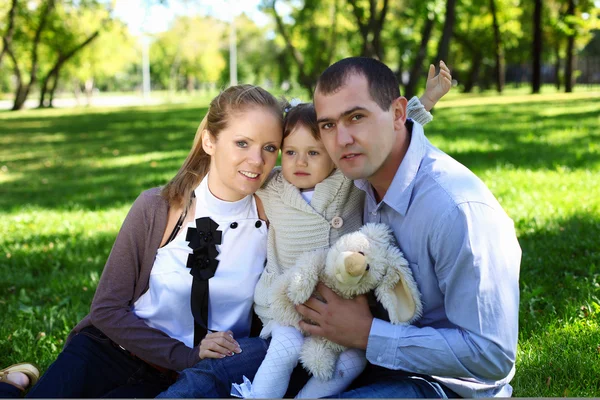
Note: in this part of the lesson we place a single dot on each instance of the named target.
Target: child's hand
(437, 85)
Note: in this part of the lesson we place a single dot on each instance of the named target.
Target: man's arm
(477, 261)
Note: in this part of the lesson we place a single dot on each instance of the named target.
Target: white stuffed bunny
(359, 262)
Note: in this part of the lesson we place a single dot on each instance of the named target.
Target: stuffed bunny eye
(368, 267)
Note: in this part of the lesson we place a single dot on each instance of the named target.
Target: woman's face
(243, 154)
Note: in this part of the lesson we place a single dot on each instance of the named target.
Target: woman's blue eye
(270, 148)
(241, 143)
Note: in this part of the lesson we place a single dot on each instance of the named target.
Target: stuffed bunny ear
(398, 292)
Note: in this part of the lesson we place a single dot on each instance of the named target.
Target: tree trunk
(377, 28)
(417, 67)
(499, 52)
(536, 73)
(557, 65)
(303, 78)
(53, 90)
(444, 45)
(23, 89)
(10, 30)
(570, 58)
(60, 62)
(371, 29)
(473, 73)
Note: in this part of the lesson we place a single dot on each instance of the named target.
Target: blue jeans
(90, 366)
(212, 377)
(378, 382)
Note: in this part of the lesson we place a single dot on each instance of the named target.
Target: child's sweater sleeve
(417, 112)
(263, 287)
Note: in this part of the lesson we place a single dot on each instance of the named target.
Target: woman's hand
(218, 345)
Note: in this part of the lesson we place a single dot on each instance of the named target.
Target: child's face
(304, 160)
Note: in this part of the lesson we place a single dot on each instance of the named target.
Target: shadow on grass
(92, 160)
(560, 271)
(523, 135)
(558, 324)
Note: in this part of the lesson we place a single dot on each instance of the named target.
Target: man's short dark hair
(383, 84)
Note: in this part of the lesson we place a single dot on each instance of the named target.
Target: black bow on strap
(203, 240)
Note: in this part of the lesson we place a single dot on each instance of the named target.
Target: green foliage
(189, 52)
(67, 179)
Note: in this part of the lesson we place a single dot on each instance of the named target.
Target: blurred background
(82, 52)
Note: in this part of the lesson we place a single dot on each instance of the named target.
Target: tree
(311, 40)
(23, 88)
(189, 53)
(10, 30)
(498, 50)
(570, 57)
(444, 43)
(74, 27)
(258, 54)
(370, 26)
(424, 13)
(536, 53)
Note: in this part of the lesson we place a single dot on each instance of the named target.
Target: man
(460, 244)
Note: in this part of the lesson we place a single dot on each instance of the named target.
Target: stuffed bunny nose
(356, 264)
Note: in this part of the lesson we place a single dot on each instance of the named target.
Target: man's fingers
(431, 72)
(326, 292)
(311, 329)
(307, 312)
(315, 304)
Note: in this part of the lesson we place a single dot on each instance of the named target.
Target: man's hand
(218, 345)
(437, 85)
(346, 322)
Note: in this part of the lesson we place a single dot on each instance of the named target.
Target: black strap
(203, 239)
(180, 221)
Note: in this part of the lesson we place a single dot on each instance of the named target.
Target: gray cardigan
(125, 278)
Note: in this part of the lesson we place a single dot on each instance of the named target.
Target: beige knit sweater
(296, 227)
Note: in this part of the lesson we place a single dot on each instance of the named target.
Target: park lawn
(68, 177)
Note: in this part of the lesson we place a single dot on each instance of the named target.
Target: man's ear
(399, 109)
(208, 142)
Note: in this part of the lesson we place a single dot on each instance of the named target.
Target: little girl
(309, 205)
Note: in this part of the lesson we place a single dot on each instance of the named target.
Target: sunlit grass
(68, 177)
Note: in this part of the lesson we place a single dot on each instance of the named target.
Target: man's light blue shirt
(465, 257)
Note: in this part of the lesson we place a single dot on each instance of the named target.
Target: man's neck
(383, 178)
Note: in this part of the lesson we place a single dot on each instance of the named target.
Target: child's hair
(301, 115)
(229, 103)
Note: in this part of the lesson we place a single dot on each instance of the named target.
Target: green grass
(67, 178)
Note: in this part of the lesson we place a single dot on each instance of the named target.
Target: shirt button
(337, 222)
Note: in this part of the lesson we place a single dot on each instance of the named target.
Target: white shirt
(242, 255)
(307, 195)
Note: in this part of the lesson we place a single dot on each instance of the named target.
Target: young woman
(153, 313)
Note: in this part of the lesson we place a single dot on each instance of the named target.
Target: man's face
(358, 135)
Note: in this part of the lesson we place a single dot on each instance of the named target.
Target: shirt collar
(208, 204)
(399, 193)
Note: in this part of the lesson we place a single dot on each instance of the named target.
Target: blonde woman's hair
(226, 105)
